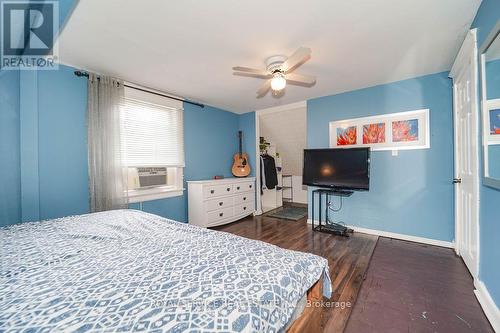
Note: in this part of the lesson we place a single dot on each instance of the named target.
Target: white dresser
(220, 201)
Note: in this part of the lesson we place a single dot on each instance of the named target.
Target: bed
(127, 270)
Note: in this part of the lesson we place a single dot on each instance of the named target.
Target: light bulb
(278, 82)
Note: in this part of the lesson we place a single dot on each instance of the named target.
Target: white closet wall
(286, 130)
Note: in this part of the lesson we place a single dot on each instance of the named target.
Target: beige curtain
(107, 174)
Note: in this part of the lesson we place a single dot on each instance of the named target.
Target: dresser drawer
(244, 208)
(214, 202)
(220, 203)
(220, 214)
(243, 187)
(243, 198)
(217, 190)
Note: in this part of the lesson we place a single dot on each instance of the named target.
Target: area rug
(289, 213)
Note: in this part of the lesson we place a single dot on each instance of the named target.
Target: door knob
(457, 180)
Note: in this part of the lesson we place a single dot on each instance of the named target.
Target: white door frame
(467, 51)
(259, 113)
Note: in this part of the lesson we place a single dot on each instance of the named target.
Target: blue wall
(489, 269)
(10, 175)
(493, 79)
(44, 142)
(411, 193)
(62, 143)
(19, 145)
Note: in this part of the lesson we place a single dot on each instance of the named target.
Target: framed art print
(492, 122)
(346, 136)
(374, 133)
(395, 131)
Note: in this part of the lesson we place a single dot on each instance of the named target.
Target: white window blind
(151, 134)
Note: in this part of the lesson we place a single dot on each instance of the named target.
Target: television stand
(326, 225)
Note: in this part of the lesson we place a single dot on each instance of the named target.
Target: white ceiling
(188, 47)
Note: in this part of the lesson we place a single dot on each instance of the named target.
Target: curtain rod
(85, 74)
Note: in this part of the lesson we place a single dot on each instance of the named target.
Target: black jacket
(268, 175)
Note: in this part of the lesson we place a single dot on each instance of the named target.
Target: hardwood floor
(408, 287)
(348, 258)
(413, 287)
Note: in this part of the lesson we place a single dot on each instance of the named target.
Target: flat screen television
(337, 168)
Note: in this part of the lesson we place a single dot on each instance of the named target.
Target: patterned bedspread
(127, 271)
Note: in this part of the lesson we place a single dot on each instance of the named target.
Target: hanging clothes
(262, 176)
(268, 174)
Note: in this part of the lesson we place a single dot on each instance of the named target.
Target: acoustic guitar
(241, 167)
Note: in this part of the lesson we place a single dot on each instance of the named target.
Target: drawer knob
(212, 191)
(244, 208)
(244, 198)
(228, 189)
(220, 203)
(221, 214)
(238, 188)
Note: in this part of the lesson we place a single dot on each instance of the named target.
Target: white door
(464, 74)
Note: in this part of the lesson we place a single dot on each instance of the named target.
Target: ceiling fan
(278, 72)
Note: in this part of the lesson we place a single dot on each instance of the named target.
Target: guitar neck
(240, 135)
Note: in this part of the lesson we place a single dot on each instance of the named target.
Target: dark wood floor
(348, 258)
(412, 287)
(408, 287)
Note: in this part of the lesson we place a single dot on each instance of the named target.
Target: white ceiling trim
(281, 108)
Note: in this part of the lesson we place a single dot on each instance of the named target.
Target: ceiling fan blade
(295, 60)
(300, 79)
(260, 76)
(264, 89)
(250, 70)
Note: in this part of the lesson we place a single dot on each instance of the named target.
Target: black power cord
(329, 204)
(336, 210)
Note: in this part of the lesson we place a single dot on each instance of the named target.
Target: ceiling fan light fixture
(279, 72)
(278, 82)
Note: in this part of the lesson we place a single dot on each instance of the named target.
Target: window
(152, 145)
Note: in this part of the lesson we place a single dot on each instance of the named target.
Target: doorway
(466, 138)
(281, 134)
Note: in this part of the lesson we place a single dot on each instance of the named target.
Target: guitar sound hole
(221, 214)
(220, 203)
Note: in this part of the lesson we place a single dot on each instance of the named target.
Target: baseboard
(489, 307)
(387, 234)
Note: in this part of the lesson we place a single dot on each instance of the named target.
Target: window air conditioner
(145, 177)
